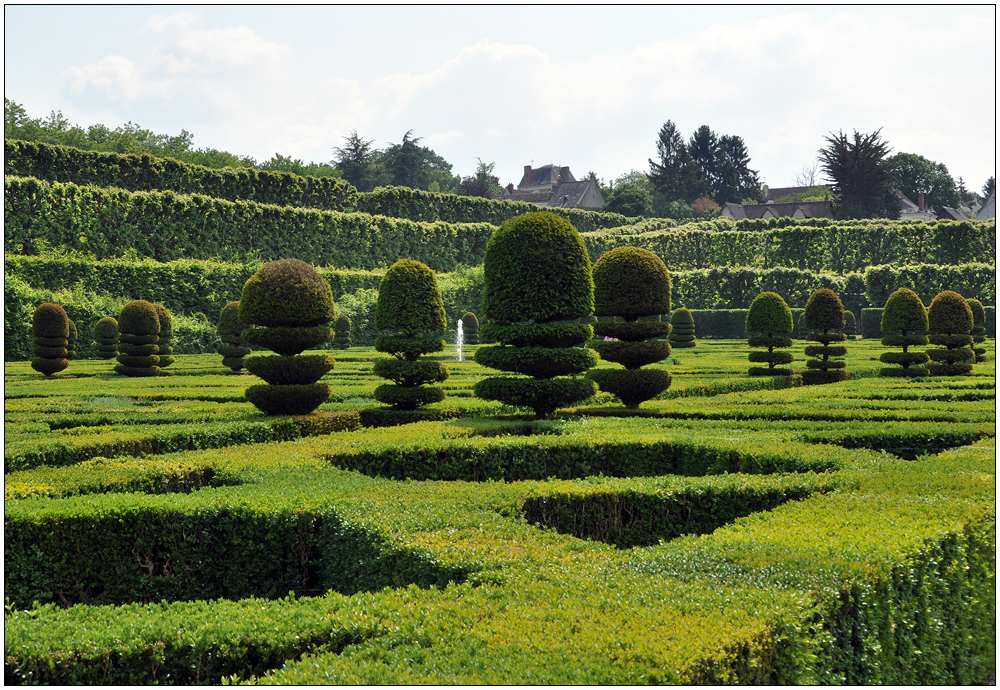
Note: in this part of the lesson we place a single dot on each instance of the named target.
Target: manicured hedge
(871, 321)
(972, 280)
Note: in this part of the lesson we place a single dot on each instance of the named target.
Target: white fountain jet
(459, 337)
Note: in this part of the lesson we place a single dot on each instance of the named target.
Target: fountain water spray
(459, 337)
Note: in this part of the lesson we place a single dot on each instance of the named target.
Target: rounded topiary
(138, 335)
(770, 316)
(978, 329)
(409, 316)
(631, 282)
(536, 283)
(949, 318)
(850, 325)
(166, 336)
(342, 328)
(50, 330)
(286, 304)
(904, 318)
(470, 329)
(682, 332)
(71, 340)
(233, 348)
(106, 337)
(824, 317)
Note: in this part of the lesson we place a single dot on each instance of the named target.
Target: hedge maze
(540, 525)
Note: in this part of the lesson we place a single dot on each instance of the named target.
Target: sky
(583, 86)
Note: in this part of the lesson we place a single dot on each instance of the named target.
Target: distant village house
(553, 186)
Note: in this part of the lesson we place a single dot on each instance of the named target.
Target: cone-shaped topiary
(536, 282)
(950, 321)
(166, 336)
(802, 333)
(138, 335)
(409, 316)
(770, 317)
(978, 329)
(106, 337)
(824, 317)
(630, 342)
(232, 348)
(904, 318)
(50, 330)
(289, 301)
(470, 329)
(342, 340)
(850, 325)
(71, 340)
(682, 329)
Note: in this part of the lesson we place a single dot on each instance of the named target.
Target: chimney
(920, 201)
(564, 173)
(526, 182)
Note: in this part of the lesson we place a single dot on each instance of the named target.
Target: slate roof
(539, 197)
(949, 213)
(810, 209)
(568, 194)
(546, 174)
(989, 209)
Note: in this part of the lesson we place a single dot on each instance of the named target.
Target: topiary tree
(536, 282)
(289, 302)
(409, 316)
(50, 332)
(138, 335)
(803, 331)
(342, 339)
(106, 337)
(904, 317)
(770, 316)
(71, 340)
(850, 325)
(950, 320)
(978, 329)
(682, 331)
(630, 283)
(470, 329)
(824, 317)
(166, 336)
(233, 348)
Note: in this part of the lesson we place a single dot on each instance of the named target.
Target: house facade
(555, 187)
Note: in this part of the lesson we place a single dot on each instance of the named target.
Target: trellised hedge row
(145, 173)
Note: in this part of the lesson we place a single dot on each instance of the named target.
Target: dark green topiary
(630, 283)
(138, 335)
(536, 282)
(289, 302)
(850, 325)
(949, 318)
(410, 317)
(978, 329)
(905, 317)
(770, 316)
(71, 340)
(233, 347)
(470, 329)
(106, 337)
(50, 329)
(342, 340)
(166, 336)
(824, 316)
(682, 332)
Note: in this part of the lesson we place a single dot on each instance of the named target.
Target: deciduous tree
(916, 175)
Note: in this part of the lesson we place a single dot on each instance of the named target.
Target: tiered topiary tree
(850, 325)
(106, 337)
(978, 329)
(409, 316)
(166, 336)
(536, 283)
(50, 331)
(824, 317)
(630, 283)
(904, 318)
(770, 316)
(342, 339)
(71, 340)
(803, 330)
(682, 331)
(950, 320)
(289, 302)
(470, 329)
(233, 348)
(138, 335)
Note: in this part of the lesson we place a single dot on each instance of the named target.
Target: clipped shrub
(978, 329)
(824, 317)
(949, 318)
(50, 331)
(232, 348)
(771, 318)
(342, 328)
(850, 325)
(536, 282)
(71, 341)
(630, 283)
(138, 335)
(409, 317)
(106, 337)
(288, 301)
(904, 318)
(470, 328)
(682, 333)
(166, 336)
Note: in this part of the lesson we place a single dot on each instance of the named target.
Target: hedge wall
(974, 280)
(147, 173)
(871, 321)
